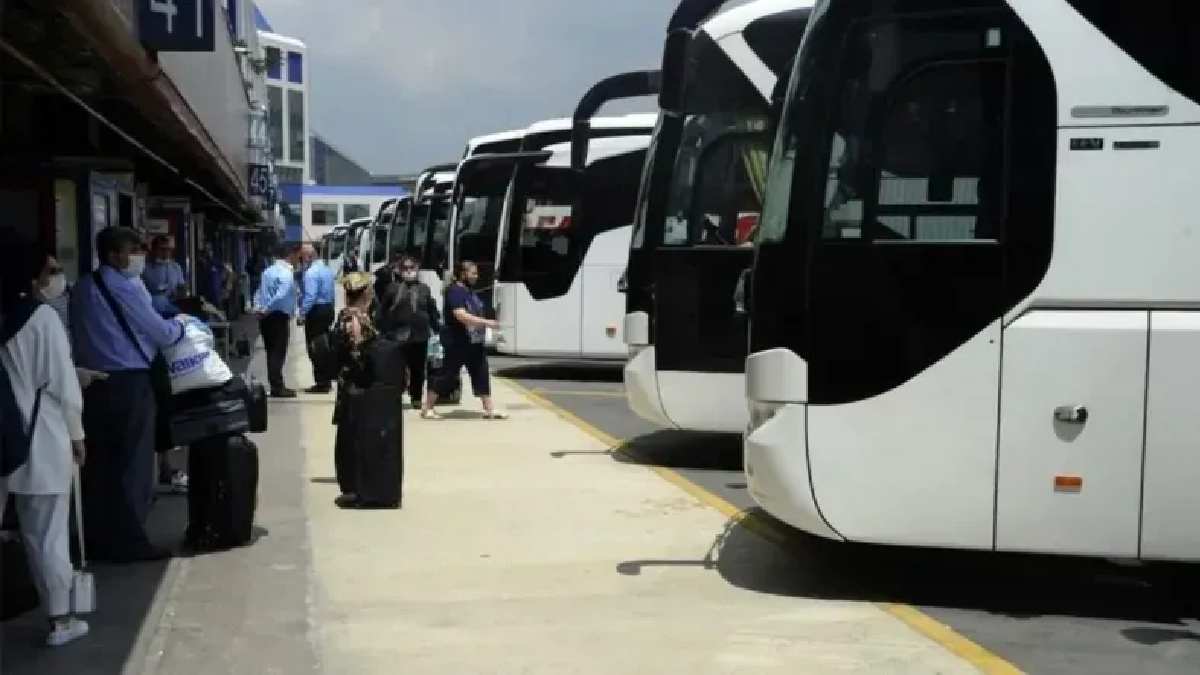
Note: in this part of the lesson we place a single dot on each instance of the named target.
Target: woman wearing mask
(36, 358)
(466, 329)
(409, 316)
(352, 334)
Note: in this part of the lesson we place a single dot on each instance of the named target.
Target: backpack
(15, 437)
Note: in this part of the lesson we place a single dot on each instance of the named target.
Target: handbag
(83, 584)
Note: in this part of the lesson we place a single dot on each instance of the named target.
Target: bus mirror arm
(625, 85)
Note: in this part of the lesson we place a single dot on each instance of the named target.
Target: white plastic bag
(192, 362)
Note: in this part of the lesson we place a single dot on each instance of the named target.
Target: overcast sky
(399, 85)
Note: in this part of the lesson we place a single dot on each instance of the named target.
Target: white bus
(975, 301)
(698, 208)
(556, 293)
(335, 247)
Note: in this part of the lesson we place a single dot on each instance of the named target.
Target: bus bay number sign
(177, 25)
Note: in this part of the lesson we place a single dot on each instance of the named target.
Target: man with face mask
(116, 331)
(408, 314)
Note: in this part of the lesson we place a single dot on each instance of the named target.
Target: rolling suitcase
(222, 492)
(379, 447)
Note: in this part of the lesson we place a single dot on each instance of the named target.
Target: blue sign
(177, 25)
(260, 180)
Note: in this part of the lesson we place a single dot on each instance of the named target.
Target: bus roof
(635, 120)
(598, 149)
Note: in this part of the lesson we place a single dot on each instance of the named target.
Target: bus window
(379, 247)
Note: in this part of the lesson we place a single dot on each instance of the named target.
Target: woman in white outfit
(36, 354)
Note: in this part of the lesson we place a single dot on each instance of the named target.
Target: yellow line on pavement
(580, 392)
(945, 636)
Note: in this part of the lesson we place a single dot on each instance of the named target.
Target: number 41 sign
(177, 25)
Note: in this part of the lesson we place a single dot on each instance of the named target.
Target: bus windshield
(716, 189)
(337, 245)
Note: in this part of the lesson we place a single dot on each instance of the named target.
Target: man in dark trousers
(275, 305)
(408, 314)
(316, 308)
(117, 331)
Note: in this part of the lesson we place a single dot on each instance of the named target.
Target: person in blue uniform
(275, 305)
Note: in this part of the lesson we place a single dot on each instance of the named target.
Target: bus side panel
(541, 327)
(1070, 483)
(603, 304)
(1172, 485)
(914, 466)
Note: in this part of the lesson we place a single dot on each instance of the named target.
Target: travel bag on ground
(222, 492)
(379, 446)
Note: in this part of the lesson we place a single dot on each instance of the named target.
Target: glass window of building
(275, 105)
(289, 174)
(295, 67)
(274, 63)
(296, 129)
(324, 215)
(354, 211)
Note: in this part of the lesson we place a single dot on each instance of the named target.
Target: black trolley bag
(222, 492)
(379, 428)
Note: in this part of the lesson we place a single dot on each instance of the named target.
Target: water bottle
(436, 353)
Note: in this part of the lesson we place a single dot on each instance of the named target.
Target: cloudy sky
(402, 84)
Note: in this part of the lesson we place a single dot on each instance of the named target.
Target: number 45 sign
(177, 25)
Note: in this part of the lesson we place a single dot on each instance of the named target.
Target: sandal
(430, 415)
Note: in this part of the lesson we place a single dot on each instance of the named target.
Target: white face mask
(137, 265)
(409, 275)
(55, 288)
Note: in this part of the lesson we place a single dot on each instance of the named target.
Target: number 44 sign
(177, 25)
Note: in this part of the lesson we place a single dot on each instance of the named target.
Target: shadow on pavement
(125, 602)
(1011, 585)
(684, 450)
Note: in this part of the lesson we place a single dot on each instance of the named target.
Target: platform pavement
(522, 547)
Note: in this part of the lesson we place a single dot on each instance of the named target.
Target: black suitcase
(209, 413)
(379, 447)
(222, 492)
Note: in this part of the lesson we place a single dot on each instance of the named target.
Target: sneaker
(495, 415)
(430, 415)
(66, 630)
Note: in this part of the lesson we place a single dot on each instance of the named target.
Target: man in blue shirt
(117, 331)
(275, 305)
(316, 307)
(163, 276)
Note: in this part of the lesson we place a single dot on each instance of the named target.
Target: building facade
(287, 85)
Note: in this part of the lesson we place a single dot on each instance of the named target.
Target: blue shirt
(277, 292)
(318, 287)
(162, 280)
(100, 343)
(459, 296)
